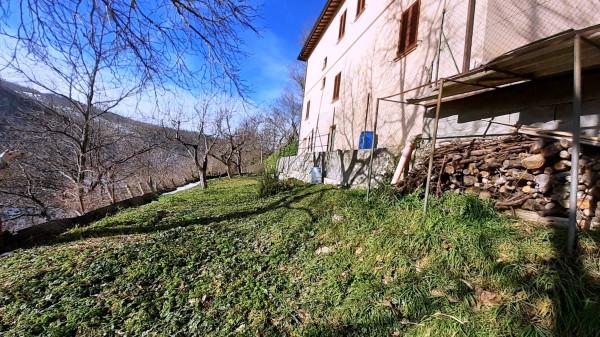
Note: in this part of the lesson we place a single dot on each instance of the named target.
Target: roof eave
(327, 14)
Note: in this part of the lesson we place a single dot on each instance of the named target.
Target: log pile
(520, 172)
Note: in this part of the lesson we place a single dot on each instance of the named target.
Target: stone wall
(342, 168)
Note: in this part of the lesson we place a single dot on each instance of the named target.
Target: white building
(360, 51)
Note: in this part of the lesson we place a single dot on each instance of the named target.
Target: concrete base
(341, 168)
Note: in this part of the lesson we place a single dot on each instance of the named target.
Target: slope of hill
(126, 158)
(312, 261)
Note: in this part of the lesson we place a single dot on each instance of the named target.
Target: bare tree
(199, 140)
(88, 57)
(88, 73)
(159, 35)
(282, 120)
(297, 74)
(233, 140)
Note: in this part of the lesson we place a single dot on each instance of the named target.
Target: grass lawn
(313, 261)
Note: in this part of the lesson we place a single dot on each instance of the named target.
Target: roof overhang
(548, 57)
(327, 14)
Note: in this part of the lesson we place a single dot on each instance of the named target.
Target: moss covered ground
(312, 261)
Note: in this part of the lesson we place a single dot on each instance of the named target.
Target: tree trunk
(109, 193)
(140, 188)
(150, 184)
(239, 164)
(201, 166)
(202, 178)
(229, 174)
(80, 200)
(129, 190)
(113, 195)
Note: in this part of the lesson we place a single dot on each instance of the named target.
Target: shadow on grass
(377, 326)
(157, 224)
(576, 293)
(568, 283)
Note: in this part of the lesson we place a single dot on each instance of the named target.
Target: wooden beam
(433, 141)
(558, 135)
(533, 217)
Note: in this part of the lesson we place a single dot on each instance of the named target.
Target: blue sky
(265, 69)
(283, 22)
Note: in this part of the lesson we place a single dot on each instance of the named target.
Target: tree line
(80, 61)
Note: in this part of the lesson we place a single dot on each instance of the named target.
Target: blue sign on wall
(366, 140)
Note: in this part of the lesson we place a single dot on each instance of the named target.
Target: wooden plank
(433, 141)
(534, 217)
(558, 135)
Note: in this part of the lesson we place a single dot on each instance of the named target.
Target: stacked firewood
(521, 172)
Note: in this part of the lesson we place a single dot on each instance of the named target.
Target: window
(307, 110)
(342, 26)
(331, 140)
(323, 83)
(360, 7)
(409, 27)
(325, 63)
(336, 86)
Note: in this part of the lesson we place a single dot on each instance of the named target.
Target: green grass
(313, 261)
(291, 149)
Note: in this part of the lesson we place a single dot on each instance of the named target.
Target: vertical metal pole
(367, 111)
(433, 141)
(439, 50)
(576, 147)
(372, 148)
(469, 37)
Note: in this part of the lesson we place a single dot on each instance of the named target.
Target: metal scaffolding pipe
(372, 148)
(433, 141)
(576, 146)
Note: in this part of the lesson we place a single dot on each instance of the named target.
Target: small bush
(269, 185)
(291, 149)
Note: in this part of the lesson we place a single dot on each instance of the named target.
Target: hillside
(125, 158)
(15, 97)
(312, 261)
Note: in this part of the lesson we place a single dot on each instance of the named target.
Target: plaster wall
(367, 59)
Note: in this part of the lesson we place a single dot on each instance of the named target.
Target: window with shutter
(307, 110)
(342, 26)
(331, 140)
(409, 29)
(360, 7)
(336, 86)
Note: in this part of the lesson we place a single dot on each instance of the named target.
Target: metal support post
(576, 146)
(373, 148)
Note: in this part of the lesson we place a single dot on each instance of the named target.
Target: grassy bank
(314, 261)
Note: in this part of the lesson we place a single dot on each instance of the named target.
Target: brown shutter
(307, 109)
(414, 24)
(342, 25)
(336, 86)
(409, 27)
(360, 7)
(403, 32)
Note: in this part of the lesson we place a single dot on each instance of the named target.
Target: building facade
(362, 50)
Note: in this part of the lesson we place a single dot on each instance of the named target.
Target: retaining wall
(342, 168)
